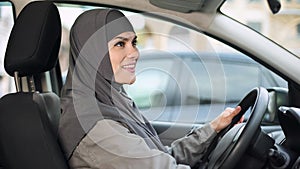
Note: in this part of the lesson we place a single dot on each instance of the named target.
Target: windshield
(283, 27)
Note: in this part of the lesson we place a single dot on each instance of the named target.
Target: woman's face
(123, 56)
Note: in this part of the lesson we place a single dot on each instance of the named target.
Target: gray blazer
(109, 144)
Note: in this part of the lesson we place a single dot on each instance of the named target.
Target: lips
(129, 67)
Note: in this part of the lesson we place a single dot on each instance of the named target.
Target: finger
(228, 111)
(242, 119)
(236, 111)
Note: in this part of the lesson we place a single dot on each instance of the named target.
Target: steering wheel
(237, 138)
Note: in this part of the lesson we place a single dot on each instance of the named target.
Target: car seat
(29, 118)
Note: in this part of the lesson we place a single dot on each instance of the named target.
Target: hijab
(90, 93)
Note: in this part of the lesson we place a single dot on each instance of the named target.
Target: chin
(132, 80)
(129, 80)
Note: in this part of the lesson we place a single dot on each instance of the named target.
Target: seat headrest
(34, 41)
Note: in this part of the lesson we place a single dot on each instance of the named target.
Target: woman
(100, 126)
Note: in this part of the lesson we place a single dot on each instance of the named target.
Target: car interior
(269, 137)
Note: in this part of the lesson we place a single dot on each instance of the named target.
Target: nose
(133, 53)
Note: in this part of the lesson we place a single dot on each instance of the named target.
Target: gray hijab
(90, 93)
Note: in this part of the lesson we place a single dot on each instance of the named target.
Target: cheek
(115, 59)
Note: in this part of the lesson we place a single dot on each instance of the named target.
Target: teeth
(129, 66)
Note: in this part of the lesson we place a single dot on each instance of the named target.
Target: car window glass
(6, 23)
(182, 75)
(235, 79)
(270, 79)
(151, 83)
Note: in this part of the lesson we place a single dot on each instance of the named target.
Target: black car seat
(29, 118)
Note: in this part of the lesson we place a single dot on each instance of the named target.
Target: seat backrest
(29, 119)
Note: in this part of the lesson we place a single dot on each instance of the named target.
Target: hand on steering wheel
(236, 139)
(225, 118)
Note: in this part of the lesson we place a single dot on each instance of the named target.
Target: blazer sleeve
(190, 149)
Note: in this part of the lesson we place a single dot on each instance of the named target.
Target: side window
(223, 80)
(182, 75)
(206, 76)
(152, 83)
(6, 23)
(215, 81)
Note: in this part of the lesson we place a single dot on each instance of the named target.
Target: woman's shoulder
(108, 127)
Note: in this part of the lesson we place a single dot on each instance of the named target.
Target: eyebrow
(124, 38)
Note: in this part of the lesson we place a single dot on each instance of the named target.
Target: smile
(129, 67)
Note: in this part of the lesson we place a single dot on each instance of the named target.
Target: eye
(134, 42)
(120, 44)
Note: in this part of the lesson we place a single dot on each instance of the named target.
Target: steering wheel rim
(227, 157)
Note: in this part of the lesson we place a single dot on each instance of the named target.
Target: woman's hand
(225, 118)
